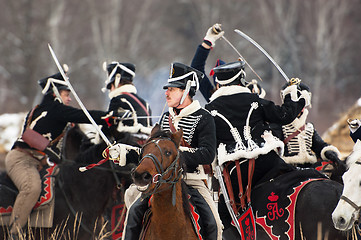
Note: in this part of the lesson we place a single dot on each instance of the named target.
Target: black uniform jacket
(198, 131)
(51, 117)
(234, 103)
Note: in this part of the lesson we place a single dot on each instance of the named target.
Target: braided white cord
(233, 130)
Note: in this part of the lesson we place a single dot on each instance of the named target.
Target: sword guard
(216, 28)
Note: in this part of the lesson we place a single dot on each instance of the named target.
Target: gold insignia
(171, 72)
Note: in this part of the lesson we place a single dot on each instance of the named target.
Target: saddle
(274, 201)
(8, 191)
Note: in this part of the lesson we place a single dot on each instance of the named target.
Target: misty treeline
(315, 40)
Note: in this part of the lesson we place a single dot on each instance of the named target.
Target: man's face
(173, 96)
(65, 97)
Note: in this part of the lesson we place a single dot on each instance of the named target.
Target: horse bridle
(349, 201)
(159, 177)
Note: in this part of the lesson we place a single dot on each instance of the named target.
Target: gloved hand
(117, 153)
(353, 124)
(332, 156)
(213, 34)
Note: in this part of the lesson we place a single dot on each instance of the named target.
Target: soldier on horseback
(233, 105)
(303, 145)
(198, 148)
(134, 111)
(44, 125)
(125, 101)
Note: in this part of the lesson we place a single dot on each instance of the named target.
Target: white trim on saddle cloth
(271, 143)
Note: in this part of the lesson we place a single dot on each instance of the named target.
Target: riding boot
(207, 221)
(136, 213)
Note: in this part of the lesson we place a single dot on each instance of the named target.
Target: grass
(62, 231)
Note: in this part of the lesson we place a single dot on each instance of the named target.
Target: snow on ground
(10, 127)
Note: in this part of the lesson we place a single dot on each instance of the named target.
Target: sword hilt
(216, 29)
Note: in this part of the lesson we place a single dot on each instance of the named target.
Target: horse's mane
(160, 134)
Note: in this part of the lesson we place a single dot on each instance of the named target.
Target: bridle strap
(346, 199)
(158, 178)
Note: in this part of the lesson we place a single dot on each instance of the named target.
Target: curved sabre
(264, 52)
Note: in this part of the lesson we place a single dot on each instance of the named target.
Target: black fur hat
(179, 76)
(119, 71)
(47, 86)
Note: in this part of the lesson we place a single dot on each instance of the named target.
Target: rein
(159, 178)
(60, 181)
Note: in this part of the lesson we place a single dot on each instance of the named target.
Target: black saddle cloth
(8, 190)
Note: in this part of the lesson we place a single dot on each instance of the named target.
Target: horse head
(160, 164)
(348, 208)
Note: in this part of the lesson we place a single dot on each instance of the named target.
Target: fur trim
(355, 154)
(228, 90)
(130, 88)
(271, 143)
(137, 128)
(301, 158)
(329, 148)
(191, 108)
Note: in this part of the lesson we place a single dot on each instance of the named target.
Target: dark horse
(81, 197)
(296, 206)
(159, 174)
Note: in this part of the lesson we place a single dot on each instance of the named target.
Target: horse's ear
(177, 136)
(155, 129)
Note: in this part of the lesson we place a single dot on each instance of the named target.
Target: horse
(159, 174)
(81, 197)
(347, 211)
(300, 210)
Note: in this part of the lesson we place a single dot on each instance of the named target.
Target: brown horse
(159, 174)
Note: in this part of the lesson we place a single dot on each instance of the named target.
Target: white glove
(118, 154)
(212, 36)
(353, 124)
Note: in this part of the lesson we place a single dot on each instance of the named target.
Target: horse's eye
(168, 153)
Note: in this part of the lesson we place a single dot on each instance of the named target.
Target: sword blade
(77, 98)
(239, 54)
(263, 51)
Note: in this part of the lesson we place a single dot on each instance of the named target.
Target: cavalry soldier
(49, 120)
(128, 105)
(124, 100)
(198, 148)
(233, 104)
(303, 145)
